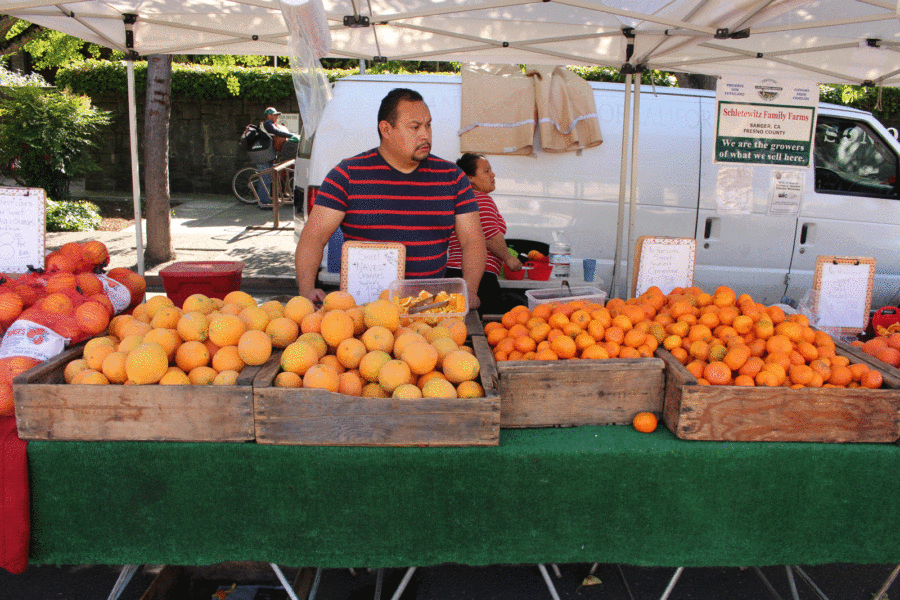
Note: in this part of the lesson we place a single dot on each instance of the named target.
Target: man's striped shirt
(418, 209)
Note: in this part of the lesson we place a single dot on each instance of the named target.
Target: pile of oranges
(721, 338)
(375, 351)
(885, 349)
(206, 342)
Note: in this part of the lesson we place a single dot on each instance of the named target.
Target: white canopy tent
(830, 41)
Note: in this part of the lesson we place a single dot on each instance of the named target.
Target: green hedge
(205, 82)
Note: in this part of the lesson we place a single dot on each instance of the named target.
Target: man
(397, 192)
(279, 135)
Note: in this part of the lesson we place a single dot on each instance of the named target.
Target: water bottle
(560, 255)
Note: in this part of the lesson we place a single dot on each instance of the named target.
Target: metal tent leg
(556, 570)
(125, 576)
(672, 583)
(887, 584)
(315, 585)
(403, 583)
(810, 583)
(768, 585)
(284, 582)
(792, 583)
(548, 581)
(624, 581)
(379, 581)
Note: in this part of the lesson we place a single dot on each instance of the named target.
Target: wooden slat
(890, 374)
(732, 413)
(49, 409)
(321, 418)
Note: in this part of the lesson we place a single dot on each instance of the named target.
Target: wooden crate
(321, 418)
(779, 414)
(49, 409)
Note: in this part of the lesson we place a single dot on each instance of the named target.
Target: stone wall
(203, 143)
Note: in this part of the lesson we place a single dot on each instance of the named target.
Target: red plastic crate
(885, 317)
(210, 278)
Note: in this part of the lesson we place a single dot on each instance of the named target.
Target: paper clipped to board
(665, 262)
(843, 292)
(23, 226)
(369, 268)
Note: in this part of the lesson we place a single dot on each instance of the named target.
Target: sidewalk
(207, 228)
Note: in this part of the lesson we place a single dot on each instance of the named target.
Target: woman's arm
(496, 245)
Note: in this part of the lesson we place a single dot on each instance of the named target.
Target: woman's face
(483, 180)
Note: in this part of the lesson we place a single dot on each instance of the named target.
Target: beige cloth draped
(498, 110)
(501, 107)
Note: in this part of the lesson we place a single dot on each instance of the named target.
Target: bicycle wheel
(242, 187)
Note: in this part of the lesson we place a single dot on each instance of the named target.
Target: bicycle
(243, 184)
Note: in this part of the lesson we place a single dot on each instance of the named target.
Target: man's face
(410, 138)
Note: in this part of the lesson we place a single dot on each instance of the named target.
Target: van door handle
(710, 230)
(803, 232)
(807, 235)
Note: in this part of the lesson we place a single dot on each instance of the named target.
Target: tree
(156, 158)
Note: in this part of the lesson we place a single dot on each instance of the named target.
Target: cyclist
(279, 134)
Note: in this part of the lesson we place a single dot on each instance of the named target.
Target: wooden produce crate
(313, 417)
(779, 414)
(49, 409)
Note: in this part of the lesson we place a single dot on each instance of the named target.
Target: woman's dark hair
(468, 162)
(388, 109)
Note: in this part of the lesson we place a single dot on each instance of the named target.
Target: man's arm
(474, 254)
(322, 222)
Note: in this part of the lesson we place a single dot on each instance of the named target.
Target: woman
(478, 169)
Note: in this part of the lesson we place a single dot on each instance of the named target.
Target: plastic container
(562, 295)
(513, 275)
(540, 270)
(560, 255)
(885, 317)
(405, 288)
(210, 278)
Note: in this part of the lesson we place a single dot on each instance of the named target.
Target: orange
(557, 320)
(192, 326)
(614, 334)
(470, 389)
(752, 366)
(680, 355)
(627, 352)
(764, 329)
(349, 352)
(255, 318)
(572, 330)
(699, 350)
(227, 359)
(321, 377)
(286, 379)
(192, 354)
(75, 367)
(744, 381)
(539, 332)
(889, 355)
(373, 390)
(709, 320)
(282, 331)
(175, 376)
(350, 384)
(724, 296)
(858, 370)
(584, 340)
(135, 327)
(820, 367)
(808, 351)
(595, 351)
(800, 374)
(338, 300)
(791, 331)
(297, 308)
(495, 335)
(371, 364)
(717, 352)
(526, 344)
(146, 364)
(457, 328)
(298, 357)
(717, 373)
(167, 338)
(461, 366)
(696, 367)
(779, 343)
(422, 357)
(404, 339)
(871, 379)
(623, 322)
(90, 377)
(565, 347)
(767, 378)
(226, 377)
(198, 303)
(311, 323)
(893, 340)
(634, 338)
(337, 326)
(736, 357)
(113, 367)
(841, 376)
(742, 324)
(645, 422)
(874, 346)
(378, 338)
(95, 350)
(546, 354)
(382, 312)
(254, 347)
(392, 374)
(438, 388)
(226, 330)
(406, 391)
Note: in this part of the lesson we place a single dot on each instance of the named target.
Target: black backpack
(253, 138)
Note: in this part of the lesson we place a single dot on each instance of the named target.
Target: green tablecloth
(585, 494)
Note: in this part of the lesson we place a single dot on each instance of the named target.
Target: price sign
(23, 226)
(368, 268)
(842, 291)
(664, 262)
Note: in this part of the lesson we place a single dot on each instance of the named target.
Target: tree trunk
(156, 159)
(696, 81)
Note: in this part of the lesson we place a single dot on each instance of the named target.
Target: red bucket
(513, 275)
(540, 270)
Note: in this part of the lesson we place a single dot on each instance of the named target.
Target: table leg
(548, 581)
(125, 576)
(810, 583)
(881, 593)
(768, 585)
(284, 582)
(379, 580)
(672, 583)
(403, 583)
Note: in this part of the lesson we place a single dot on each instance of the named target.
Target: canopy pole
(632, 195)
(135, 175)
(626, 121)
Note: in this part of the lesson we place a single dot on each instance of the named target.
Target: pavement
(207, 227)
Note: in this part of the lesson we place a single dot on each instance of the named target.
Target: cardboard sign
(765, 121)
(842, 292)
(368, 268)
(23, 226)
(665, 262)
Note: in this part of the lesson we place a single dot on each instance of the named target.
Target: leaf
(591, 580)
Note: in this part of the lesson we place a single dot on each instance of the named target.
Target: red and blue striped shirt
(418, 209)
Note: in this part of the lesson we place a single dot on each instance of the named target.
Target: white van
(850, 204)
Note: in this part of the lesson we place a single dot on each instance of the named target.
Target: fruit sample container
(780, 414)
(47, 408)
(430, 298)
(317, 417)
(565, 294)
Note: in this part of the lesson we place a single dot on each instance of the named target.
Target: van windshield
(851, 159)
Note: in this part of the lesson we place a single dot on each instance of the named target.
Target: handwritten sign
(368, 268)
(23, 228)
(842, 291)
(664, 262)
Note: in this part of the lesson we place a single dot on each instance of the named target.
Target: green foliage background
(72, 216)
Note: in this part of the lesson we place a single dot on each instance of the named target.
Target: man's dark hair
(468, 162)
(388, 110)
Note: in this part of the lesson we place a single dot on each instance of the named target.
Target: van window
(851, 159)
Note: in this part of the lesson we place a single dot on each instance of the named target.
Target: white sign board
(369, 268)
(23, 225)
(765, 121)
(665, 262)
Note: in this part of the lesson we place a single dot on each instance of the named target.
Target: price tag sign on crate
(842, 292)
(368, 268)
